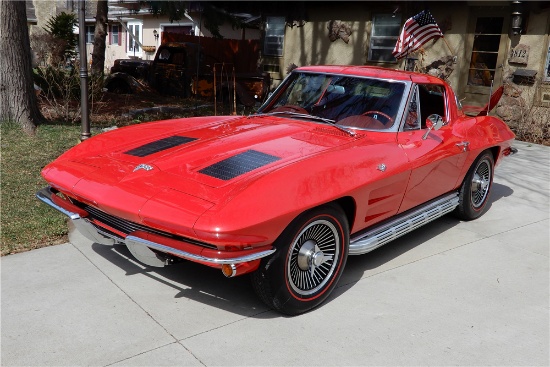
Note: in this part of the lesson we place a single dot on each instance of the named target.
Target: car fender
(484, 132)
(268, 203)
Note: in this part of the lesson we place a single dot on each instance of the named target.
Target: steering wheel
(378, 113)
(290, 108)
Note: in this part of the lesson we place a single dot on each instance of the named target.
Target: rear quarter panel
(484, 132)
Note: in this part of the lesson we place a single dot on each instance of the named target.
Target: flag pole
(408, 48)
(450, 49)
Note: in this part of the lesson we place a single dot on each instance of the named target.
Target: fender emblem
(382, 167)
(143, 166)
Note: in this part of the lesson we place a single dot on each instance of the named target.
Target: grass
(26, 223)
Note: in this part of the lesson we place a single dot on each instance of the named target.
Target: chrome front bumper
(134, 243)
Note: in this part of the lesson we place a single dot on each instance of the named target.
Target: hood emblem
(143, 166)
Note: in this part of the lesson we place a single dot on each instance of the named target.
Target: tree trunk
(98, 54)
(17, 96)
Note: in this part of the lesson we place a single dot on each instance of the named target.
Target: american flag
(417, 31)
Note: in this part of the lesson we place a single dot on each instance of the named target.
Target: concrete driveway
(451, 293)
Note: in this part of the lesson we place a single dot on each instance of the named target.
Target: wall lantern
(156, 34)
(517, 17)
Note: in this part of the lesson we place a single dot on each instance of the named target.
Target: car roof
(373, 71)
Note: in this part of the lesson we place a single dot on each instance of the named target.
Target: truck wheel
(119, 87)
(474, 192)
(311, 255)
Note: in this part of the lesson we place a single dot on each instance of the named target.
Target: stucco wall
(310, 44)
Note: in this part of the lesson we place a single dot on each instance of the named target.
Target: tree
(214, 16)
(17, 98)
(61, 27)
(98, 55)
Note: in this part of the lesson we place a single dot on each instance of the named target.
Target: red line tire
(311, 255)
(475, 190)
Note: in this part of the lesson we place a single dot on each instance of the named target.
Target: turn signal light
(229, 270)
(232, 270)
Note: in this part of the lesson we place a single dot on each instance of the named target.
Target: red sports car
(339, 161)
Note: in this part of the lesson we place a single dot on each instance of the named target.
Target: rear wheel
(474, 192)
(311, 254)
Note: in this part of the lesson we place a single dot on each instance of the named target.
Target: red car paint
(378, 173)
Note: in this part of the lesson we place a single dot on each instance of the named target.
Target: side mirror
(434, 122)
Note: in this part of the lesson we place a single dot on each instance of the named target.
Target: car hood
(206, 158)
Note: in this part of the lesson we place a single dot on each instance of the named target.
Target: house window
(546, 75)
(483, 61)
(134, 38)
(274, 36)
(385, 32)
(90, 30)
(114, 35)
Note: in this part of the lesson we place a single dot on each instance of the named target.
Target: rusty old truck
(183, 69)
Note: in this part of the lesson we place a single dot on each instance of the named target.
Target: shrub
(61, 27)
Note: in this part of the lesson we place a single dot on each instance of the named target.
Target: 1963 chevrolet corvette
(339, 161)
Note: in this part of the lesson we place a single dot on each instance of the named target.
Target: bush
(60, 92)
(519, 108)
(61, 27)
(49, 50)
(60, 95)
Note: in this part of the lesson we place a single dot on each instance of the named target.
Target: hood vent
(159, 145)
(239, 164)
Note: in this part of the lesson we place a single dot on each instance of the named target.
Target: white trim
(129, 25)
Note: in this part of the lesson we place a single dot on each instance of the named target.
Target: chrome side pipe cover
(402, 224)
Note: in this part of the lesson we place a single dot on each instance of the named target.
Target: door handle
(464, 145)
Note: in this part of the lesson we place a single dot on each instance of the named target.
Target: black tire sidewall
(284, 298)
(466, 210)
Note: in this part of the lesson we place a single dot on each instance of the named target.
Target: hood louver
(239, 164)
(159, 145)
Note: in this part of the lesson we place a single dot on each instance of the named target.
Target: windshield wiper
(306, 116)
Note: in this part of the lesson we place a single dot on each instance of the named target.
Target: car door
(435, 157)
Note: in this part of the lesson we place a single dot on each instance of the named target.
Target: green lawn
(27, 223)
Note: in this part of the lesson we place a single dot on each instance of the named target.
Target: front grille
(127, 227)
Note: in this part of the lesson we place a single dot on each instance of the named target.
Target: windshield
(349, 101)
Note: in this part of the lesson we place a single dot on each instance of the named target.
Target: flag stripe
(416, 31)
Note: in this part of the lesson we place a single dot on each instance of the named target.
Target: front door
(436, 158)
(485, 53)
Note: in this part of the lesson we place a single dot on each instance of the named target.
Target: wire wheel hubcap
(313, 257)
(480, 183)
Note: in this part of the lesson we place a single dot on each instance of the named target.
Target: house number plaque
(519, 54)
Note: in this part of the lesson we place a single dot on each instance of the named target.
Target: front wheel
(474, 192)
(311, 254)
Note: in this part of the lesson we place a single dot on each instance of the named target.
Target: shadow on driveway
(208, 286)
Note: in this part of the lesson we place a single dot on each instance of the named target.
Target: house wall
(229, 33)
(47, 9)
(309, 45)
